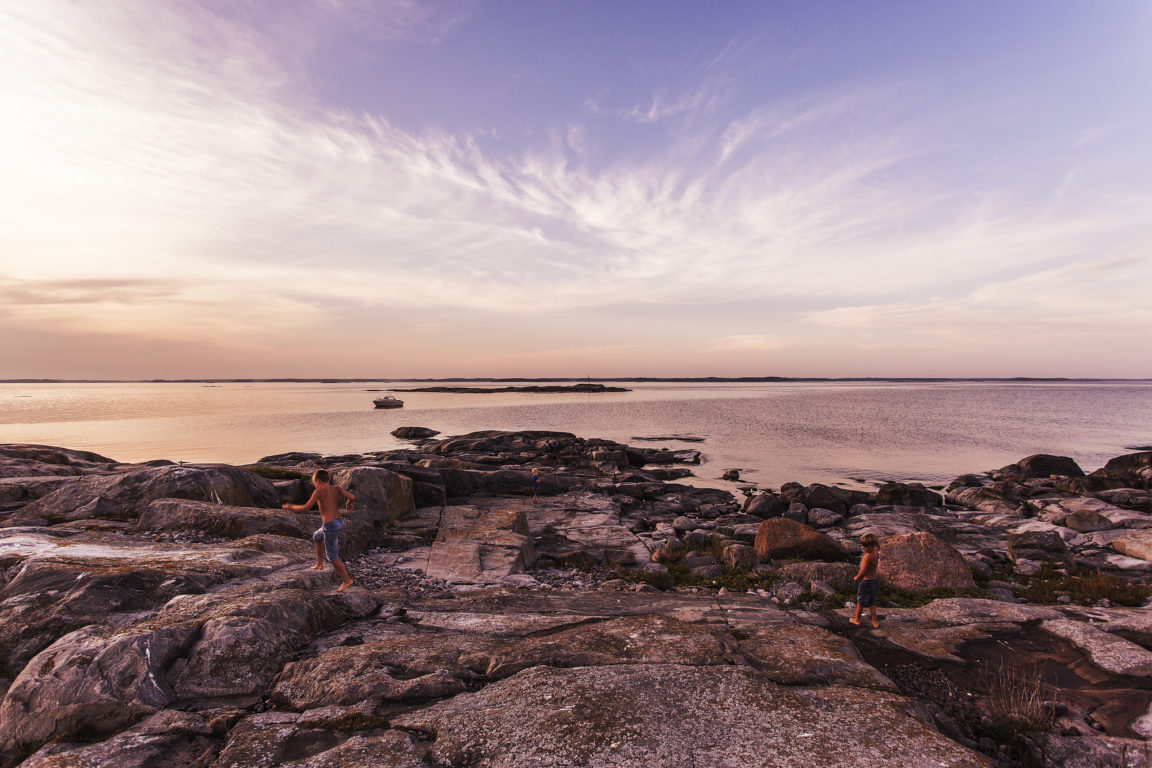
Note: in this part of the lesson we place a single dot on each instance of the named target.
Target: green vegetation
(1085, 587)
(892, 597)
(678, 575)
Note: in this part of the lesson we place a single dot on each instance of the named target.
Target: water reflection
(847, 432)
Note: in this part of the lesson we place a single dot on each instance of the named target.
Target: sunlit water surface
(842, 432)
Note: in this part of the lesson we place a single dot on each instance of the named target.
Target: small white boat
(387, 401)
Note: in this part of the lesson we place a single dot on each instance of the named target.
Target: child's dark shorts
(329, 533)
(867, 591)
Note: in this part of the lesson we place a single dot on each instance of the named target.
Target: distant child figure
(534, 481)
(868, 578)
(327, 496)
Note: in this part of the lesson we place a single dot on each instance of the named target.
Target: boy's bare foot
(854, 621)
(343, 586)
(875, 624)
(317, 567)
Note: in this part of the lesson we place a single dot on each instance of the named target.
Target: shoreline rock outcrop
(162, 614)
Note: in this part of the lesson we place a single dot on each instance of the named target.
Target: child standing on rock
(868, 578)
(326, 538)
(534, 481)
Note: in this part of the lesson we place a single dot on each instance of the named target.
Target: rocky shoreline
(164, 614)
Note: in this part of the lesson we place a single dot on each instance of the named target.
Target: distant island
(546, 390)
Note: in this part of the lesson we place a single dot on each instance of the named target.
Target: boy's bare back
(327, 498)
(869, 565)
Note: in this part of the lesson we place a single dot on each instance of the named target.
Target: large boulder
(784, 539)
(816, 495)
(1134, 466)
(907, 495)
(125, 495)
(1046, 465)
(221, 520)
(985, 499)
(414, 433)
(382, 498)
(94, 681)
(740, 557)
(920, 561)
(766, 505)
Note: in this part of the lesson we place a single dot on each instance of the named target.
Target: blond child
(868, 577)
(326, 537)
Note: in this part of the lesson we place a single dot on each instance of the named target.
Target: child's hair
(321, 476)
(868, 540)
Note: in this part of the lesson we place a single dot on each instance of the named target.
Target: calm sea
(842, 432)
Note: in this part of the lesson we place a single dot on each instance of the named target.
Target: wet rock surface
(157, 614)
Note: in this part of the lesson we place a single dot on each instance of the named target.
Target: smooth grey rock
(823, 518)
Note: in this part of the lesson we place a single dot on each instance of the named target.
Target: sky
(396, 189)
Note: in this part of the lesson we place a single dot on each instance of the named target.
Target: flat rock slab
(320, 739)
(939, 642)
(1136, 544)
(480, 544)
(703, 717)
(583, 523)
(962, 610)
(1107, 651)
(801, 654)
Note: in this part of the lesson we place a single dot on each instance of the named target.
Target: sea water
(851, 433)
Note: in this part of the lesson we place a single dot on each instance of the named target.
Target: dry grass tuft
(1016, 696)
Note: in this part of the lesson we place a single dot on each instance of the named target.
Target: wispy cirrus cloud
(170, 171)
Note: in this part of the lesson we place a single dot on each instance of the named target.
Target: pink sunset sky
(343, 188)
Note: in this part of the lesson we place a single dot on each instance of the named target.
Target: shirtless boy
(327, 496)
(868, 578)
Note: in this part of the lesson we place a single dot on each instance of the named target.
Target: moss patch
(1085, 587)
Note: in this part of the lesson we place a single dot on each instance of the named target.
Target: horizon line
(546, 379)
